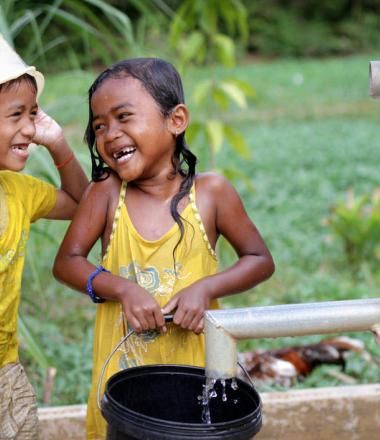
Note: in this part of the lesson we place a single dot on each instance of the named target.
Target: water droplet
(234, 384)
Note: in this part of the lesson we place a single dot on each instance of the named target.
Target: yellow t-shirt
(150, 264)
(23, 199)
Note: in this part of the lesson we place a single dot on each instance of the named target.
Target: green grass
(313, 131)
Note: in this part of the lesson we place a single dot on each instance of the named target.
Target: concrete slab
(344, 413)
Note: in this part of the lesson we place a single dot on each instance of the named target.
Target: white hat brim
(12, 67)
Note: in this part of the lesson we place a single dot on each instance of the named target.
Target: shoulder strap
(122, 193)
(198, 219)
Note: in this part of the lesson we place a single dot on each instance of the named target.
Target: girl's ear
(178, 119)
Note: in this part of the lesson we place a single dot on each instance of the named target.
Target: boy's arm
(73, 179)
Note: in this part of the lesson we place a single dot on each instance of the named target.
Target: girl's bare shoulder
(211, 184)
(105, 190)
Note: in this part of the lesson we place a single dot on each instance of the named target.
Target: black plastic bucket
(161, 402)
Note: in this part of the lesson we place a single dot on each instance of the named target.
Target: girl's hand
(142, 310)
(48, 132)
(189, 305)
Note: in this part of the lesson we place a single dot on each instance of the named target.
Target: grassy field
(313, 131)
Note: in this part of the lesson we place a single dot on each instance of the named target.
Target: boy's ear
(178, 119)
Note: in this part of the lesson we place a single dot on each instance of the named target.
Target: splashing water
(224, 395)
(209, 392)
(234, 384)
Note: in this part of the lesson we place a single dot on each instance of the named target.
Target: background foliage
(91, 32)
(295, 135)
(311, 141)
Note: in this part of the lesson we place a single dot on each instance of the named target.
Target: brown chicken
(286, 365)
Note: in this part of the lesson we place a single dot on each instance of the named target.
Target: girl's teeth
(123, 153)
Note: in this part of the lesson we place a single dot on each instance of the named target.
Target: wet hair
(162, 81)
(30, 80)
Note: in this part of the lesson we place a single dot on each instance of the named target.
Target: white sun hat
(12, 66)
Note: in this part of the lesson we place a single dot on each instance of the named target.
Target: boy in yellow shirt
(23, 200)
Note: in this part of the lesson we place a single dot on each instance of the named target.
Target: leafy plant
(311, 142)
(84, 32)
(31, 345)
(356, 223)
(339, 27)
(202, 32)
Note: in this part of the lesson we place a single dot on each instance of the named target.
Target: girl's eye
(98, 126)
(15, 115)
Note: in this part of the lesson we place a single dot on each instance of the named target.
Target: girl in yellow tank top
(159, 223)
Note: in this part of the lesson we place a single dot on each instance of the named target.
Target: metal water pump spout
(224, 327)
(374, 79)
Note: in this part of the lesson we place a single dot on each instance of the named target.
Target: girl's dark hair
(30, 80)
(162, 81)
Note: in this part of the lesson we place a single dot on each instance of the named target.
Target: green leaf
(241, 19)
(191, 47)
(234, 92)
(225, 49)
(31, 345)
(193, 131)
(244, 86)
(208, 17)
(119, 17)
(237, 142)
(4, 27)
(183, 20)
(214, 130)
(220, 98)
(201, 91)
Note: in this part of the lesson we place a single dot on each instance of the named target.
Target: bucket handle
(250, 380)
(168, 318)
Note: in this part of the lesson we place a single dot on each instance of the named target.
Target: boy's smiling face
(18, 108)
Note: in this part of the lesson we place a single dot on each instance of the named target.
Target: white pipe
(374, 79)
(224, 327)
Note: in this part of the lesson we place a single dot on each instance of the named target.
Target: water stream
(209, 392)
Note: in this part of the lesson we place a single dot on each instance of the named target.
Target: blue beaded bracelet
(89, 288)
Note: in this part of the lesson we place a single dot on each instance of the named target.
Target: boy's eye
(15, 114)
(123, 115)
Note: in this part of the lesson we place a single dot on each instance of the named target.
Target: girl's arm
(223, 213)
(92, 220)
(255, 263)
(73, 178)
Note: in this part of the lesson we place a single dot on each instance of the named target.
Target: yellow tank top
(151, 265)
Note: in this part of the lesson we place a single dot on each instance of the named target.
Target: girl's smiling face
(133, 137)
(18, 109)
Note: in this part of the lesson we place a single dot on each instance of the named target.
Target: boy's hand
(48, 132)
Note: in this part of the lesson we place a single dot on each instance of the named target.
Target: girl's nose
(113, 132)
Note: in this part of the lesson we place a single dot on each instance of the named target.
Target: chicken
(286, 365)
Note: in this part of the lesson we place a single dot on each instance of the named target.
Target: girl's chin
(127, 175)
